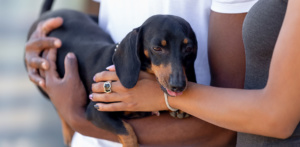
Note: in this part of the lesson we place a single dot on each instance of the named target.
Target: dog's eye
(157, 49)
(189, 49)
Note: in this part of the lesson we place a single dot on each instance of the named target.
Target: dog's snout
(177, 82)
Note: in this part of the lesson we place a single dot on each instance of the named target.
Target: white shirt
(119, 17)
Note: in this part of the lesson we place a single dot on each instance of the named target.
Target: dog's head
(164, 45)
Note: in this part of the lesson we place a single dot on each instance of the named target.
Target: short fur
(94, 50)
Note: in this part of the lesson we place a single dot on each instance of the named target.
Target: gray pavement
(27, 119)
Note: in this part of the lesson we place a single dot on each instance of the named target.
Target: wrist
(74, 118)
(167, 103)
(172, 103)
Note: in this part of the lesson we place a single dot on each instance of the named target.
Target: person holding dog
(267, 112)
(68, 91)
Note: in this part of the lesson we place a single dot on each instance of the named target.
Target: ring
(107, 87)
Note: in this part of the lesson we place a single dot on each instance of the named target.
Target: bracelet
(167, 103)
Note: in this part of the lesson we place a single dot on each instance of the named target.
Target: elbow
(282, 132)
(279, 128)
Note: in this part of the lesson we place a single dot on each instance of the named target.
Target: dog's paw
(179, 114)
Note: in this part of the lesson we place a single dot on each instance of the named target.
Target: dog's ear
(126, 59)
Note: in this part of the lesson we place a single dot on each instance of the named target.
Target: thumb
(71, 66)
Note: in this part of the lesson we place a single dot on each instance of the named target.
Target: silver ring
(107, 87)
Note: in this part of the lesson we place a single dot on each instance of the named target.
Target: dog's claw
(179, 114)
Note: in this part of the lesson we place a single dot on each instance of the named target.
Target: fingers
(42, 43)
(51, 55)
(111, 68)
(71, 66)
(98, 87)
(38, 63)
(106, 76)
(105, 97)
(51, 24)
(36, 44)
(47, 26)
(36, 78)
(111, 107)
(51, 73)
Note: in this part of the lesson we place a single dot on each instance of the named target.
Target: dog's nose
(177, 88)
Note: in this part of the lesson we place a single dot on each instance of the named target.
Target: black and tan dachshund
(163, 45)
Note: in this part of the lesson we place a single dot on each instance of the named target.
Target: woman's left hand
(146, 95)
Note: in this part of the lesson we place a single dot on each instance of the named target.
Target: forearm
(80, 124)
(162, 131)
(168, 131)
(249, 111)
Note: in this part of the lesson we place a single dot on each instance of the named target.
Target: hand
(37, 43)
(67, 94)
(146, 95)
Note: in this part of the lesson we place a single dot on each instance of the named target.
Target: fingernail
(41, 83)
(44, 65)
(91, 96)
(70, 55)
(94, 79)
(96, 106)
(57, 43)
(109, 67)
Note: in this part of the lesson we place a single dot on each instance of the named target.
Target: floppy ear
(126, 59)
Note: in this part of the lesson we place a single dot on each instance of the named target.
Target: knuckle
(104, 74)
(127, 97)
(39, 43)
(105, 97)
(96, 87)
(101, 74)
(112, 107)
(131, 105)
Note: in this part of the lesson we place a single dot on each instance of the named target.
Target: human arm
(272, 111)
(37, 66)
(150, 131)
(69, 96)
(226, 51)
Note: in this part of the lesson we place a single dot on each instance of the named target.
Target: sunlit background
(27, 119)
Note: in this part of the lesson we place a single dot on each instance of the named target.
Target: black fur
(94, 50)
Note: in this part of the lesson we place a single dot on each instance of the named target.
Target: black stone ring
(107, 87)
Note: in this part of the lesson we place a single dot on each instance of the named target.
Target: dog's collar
(117, 46)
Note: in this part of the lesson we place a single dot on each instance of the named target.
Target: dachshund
(164, 45)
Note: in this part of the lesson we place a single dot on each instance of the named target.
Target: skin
(252, 111)
(151, 130)
(226, 56)
(36, 44)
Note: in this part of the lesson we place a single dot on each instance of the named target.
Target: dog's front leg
(67, 132)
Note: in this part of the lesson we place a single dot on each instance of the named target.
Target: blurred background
(27, 119)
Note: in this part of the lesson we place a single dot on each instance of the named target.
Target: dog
(164, 45)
